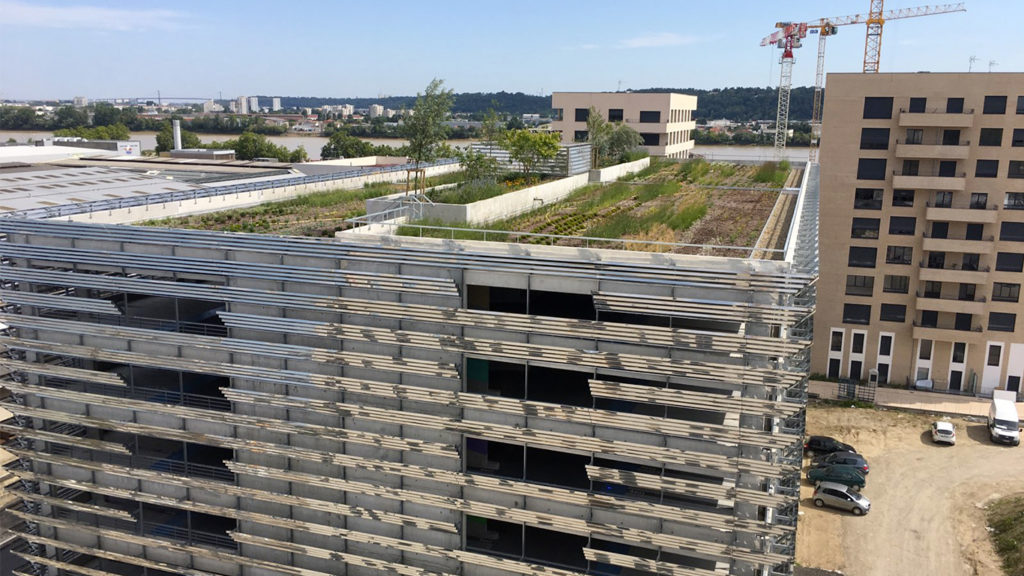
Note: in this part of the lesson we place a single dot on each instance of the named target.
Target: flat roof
(46, 188)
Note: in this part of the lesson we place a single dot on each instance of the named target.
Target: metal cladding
(204, 403)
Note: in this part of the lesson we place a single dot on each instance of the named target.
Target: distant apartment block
(210, 106)
(664, 120)
(922, 230)
(275, 104)
(241, 105)
(80, 102)
(254, 104)
(376, 110)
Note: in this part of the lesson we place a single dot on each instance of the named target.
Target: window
(582, 114)
(1012, 231)
(991, 137)
(979, 201)
(1014, 201)
(959, 351)
(893, 313)
(911, 167)
(896, 284)
(1020, 104)
(954, 106)
(1001, 291)
(969, 261)
(950, 137)
(899, 254)
(871, 169)
(943, 199)
(864, 228)
(932, 289)
(995, 352)
(929, 319)
(650, 116)
(914, 136)
(1016, 169)
(986, 169)
(937, 260)
(902, 197)
(856, 314)
(994, 105)
(874, 139)
(925, 352)
(1001, 321)
(884, 345)
(1018, 137)
(558, 114)
(947, 169)
(857, 343)
(862, 257)
(860, 285)
(917, 105)
(836, 345)
(650, 139)
(615, 114)
(877, 107)
(1009, 262)
(974, 231)
(580, 136)
(902, 225)
(867, 199)
(967, 292)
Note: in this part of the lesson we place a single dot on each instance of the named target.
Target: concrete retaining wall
(506, 205)
(613, 173)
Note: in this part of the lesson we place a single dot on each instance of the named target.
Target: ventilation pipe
(177, 134)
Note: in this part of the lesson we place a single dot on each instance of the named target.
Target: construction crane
(789, 35)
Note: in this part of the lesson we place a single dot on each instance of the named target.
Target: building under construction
(201, 403)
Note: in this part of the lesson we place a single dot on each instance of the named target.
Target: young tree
(622, 141)
(598, 133)
(529, 148)
(477, 166)
(343, 145)
(425, 130)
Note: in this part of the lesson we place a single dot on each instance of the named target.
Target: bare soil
(927, 501)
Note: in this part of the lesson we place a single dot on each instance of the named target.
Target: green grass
(1006, 520)
(657, 164)
(468, 193)
(774, 173)
(464, 232)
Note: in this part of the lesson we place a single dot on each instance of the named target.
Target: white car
(943, 431)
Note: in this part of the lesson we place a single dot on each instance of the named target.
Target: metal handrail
(933, 142)
(937, 111)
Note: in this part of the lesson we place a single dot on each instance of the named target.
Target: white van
(1003, 425)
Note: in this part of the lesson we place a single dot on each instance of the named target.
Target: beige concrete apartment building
(922, 230)
(664, 120)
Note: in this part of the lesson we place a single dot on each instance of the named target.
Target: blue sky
(101, 49)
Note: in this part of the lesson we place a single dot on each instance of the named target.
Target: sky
(53, 49)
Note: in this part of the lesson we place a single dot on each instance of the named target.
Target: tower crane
(789, 35)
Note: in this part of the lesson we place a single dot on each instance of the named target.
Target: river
(313, 144)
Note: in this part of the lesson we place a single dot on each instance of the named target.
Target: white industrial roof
(23, 190)
(44, 153)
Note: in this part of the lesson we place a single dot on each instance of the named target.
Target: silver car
(840, 496)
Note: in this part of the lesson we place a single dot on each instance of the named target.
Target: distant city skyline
(58, 49)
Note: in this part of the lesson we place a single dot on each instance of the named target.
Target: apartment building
(191, 402)
(922, 230)
(664, 120)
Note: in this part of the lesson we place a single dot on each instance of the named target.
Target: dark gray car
(842, 497)
(844, 458)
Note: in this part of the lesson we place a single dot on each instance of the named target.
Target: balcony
(936, 151)
(984, 215)
(945, 331)
(937, 118)
(983, 245)
(954, 273)
(951, 305)
(930, 181)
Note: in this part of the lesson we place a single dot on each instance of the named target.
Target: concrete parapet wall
(506, 205)
(612, 173)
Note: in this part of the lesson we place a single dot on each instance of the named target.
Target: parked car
(846, 458)
(943, 432)
(825, 445)
(839, 474)
(839, 496)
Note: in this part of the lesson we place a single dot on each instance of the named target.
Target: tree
(18, 118)
(598, 133)
(425, 130)
(491, 128)
(529, 148)
(477, 166)
(622, 141)
(69, 117)
(298, 155)
(342, 145)
(113, 132)
(165, 139)
(104, 114)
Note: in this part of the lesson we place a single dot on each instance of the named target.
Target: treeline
(745, 104)
(746, 137)
(472, 103)
(69, 118)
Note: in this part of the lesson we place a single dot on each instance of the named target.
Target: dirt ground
(927, 501)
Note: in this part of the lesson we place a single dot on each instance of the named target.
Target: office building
(664, 120)
(922, 230)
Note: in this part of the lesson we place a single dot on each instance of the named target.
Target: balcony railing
(930, 142)
(969, 206)
(932, 295)
(960, 238)
(935, 111)
(929, 174)
(957, 266)
(947, 326)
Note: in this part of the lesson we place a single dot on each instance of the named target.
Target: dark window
(932, 289)
(834, 364)
(837, 341)
(986, 169)
(917, 105)
(1001, 291)
(860, 285)
(979, 201)
(947, 168)
(994, 105)
(963, 322)
(902, 197)
(1012, 231)
(1014, 201)
(970, 261)
(937, 260)
(650, 139)
(1016, 169)
(857, 344)
(950, 137)
(1020, 104)
(558, 114)
(874, 138)
(580, 136)
(896, 284)
(994, 353)
(959, 352)
(867, 199)
(1018, 137)
(902, 225)
(929, 319)
(1009, 262)
(582, 114)
(914, 136)
(862, 257)
(925, 350)
(893, 313)
(943, 199)
(911, 167)
(877, 107)
(1002, 321)
(954, 105)
(991, 137)
(974, 231)
(856, 314)
(871, 169)
(884, 345)
(615, 114)
(650, 116)
(899, 254)
(967, 292)
(864, 228)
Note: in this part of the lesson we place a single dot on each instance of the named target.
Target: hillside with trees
(745, 104)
